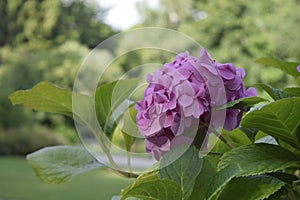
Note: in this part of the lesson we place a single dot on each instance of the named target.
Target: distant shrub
(66, 134)
(21, 141)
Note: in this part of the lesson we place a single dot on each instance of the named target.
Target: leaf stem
(129, 162)
(222, 139)
(212, 153)
(107, 152)
(114, 167)
(218, 135)
(124, 174)
(100, 140)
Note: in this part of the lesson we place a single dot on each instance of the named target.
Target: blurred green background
(49, 39)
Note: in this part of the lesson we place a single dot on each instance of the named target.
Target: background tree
(44, 40)
(236, 31)
(51, 22)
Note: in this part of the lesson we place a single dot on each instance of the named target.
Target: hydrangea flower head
(178, 97)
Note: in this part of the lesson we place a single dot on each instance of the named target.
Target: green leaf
(235, 137)
(293, 91)
(184, 170)
(59, 163)
(155, 190)
(250, 132)
(252, 159)
(203, 180)
(251, 188)
(285, 177)
(259, 158)
(129, 129)
(287, 67)
(108, 98)
(143, 178)
(241, 103)
(279, 119)
(281, 194)
(275, 93)
(45, 97)
(129, 140)
(220, 180)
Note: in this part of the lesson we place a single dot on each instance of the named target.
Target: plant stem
(218, 135)
(222, 139)
(107, 152)
(212, 153)
(124, 174)
(129, 162)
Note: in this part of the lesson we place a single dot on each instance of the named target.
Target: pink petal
(185, 100)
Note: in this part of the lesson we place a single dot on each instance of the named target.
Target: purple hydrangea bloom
(232, 78)
(178, 97)
(298, 68)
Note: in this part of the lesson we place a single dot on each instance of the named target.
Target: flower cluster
(181, 94)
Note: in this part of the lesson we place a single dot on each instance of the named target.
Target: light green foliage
(275, 93)
(110, 97)
(235, 137)
(45, 97)
(50, 98)
(287, 67)
(129, 129)
(58, 164)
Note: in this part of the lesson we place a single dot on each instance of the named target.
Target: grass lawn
(18, 182)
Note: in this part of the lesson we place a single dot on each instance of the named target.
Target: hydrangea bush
(257, 155)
